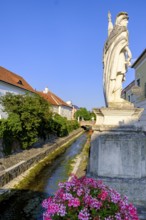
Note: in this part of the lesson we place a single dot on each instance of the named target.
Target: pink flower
(67, 196)
(103, 195)
(74, 202)
(83, 214)
(46, 218)
(80, 191)
(85, 197)
(95, 203)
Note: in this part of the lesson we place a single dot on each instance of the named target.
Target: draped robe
(114, 61)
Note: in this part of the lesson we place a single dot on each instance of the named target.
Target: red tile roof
(53, 99)
(14, 79)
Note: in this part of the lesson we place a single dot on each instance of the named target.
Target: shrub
(28, 117)
(86, 199)
(62, 127)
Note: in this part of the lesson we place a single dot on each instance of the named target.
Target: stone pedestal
(117, 116)
(118, 151)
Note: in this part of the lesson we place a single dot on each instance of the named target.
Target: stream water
(26, 204)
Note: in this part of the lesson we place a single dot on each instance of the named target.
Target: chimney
(46, 90)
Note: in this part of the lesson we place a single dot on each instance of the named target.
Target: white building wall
(55, 109)
(142, 104)
(5, 88)
(66, 112)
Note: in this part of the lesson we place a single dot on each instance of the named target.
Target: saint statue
(116, 58)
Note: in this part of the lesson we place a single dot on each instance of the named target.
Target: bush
(28, 117)
(62, 127)
(72, 125)
(86, 199)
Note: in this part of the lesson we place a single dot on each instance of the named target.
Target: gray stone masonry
(118, 157)
(119, 153)
(19, 163)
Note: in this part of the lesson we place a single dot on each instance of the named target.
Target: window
(124, 94)
(129, 98)
(20, 82)
(132, 98)
(138, 82)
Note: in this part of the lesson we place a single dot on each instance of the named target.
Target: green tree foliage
(62, 126)
(28, 117)
(92, 115)
(83, 113)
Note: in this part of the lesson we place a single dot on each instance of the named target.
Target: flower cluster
(86, 199)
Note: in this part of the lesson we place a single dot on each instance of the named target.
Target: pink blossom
(83, 215)
(46, 202)
(80, 191)
(67, 196)
(62, 210)
(103, 195)
(74, 202)
(84, 197)
(46, 218)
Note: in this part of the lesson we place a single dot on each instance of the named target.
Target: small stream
(26, 204)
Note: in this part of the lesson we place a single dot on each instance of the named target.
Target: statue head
(122, 16)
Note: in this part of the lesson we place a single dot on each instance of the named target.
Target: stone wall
(12, 172)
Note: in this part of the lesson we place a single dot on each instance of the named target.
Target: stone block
(118, 153)
(117, 116)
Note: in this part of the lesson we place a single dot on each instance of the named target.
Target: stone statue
(116, 58)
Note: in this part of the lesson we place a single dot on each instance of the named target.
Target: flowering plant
(86, 199)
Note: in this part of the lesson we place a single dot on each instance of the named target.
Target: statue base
(117, 116)
(118, 151)
(121, 104)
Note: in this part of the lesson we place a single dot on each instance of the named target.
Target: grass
(84, 155)
(34, 171)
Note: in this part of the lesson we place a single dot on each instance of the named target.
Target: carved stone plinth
(118, 151)
(117, 116)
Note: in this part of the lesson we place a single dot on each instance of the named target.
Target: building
(140, 81)
(58, 105)
(74, 108)
(13, 83)
(127, 92)
(135, 92)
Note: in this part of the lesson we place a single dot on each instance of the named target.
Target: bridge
(86, 124)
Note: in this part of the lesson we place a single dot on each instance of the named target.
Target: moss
(34, 171)
(84, 155)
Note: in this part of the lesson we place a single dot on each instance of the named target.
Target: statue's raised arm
(116, 58)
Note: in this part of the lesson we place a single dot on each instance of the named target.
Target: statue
(116, 58)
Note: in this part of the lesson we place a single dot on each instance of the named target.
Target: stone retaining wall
(9, 174)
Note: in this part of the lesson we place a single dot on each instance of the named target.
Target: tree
(82, 113)
(92, 116)
(28, 117)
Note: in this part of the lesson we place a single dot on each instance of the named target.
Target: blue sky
(59, 43)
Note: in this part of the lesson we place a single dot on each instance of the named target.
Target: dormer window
(20, 82)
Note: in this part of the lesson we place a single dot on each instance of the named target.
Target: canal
(26, 204)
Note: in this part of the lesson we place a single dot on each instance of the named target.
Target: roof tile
(52, 98)
(14, 79)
